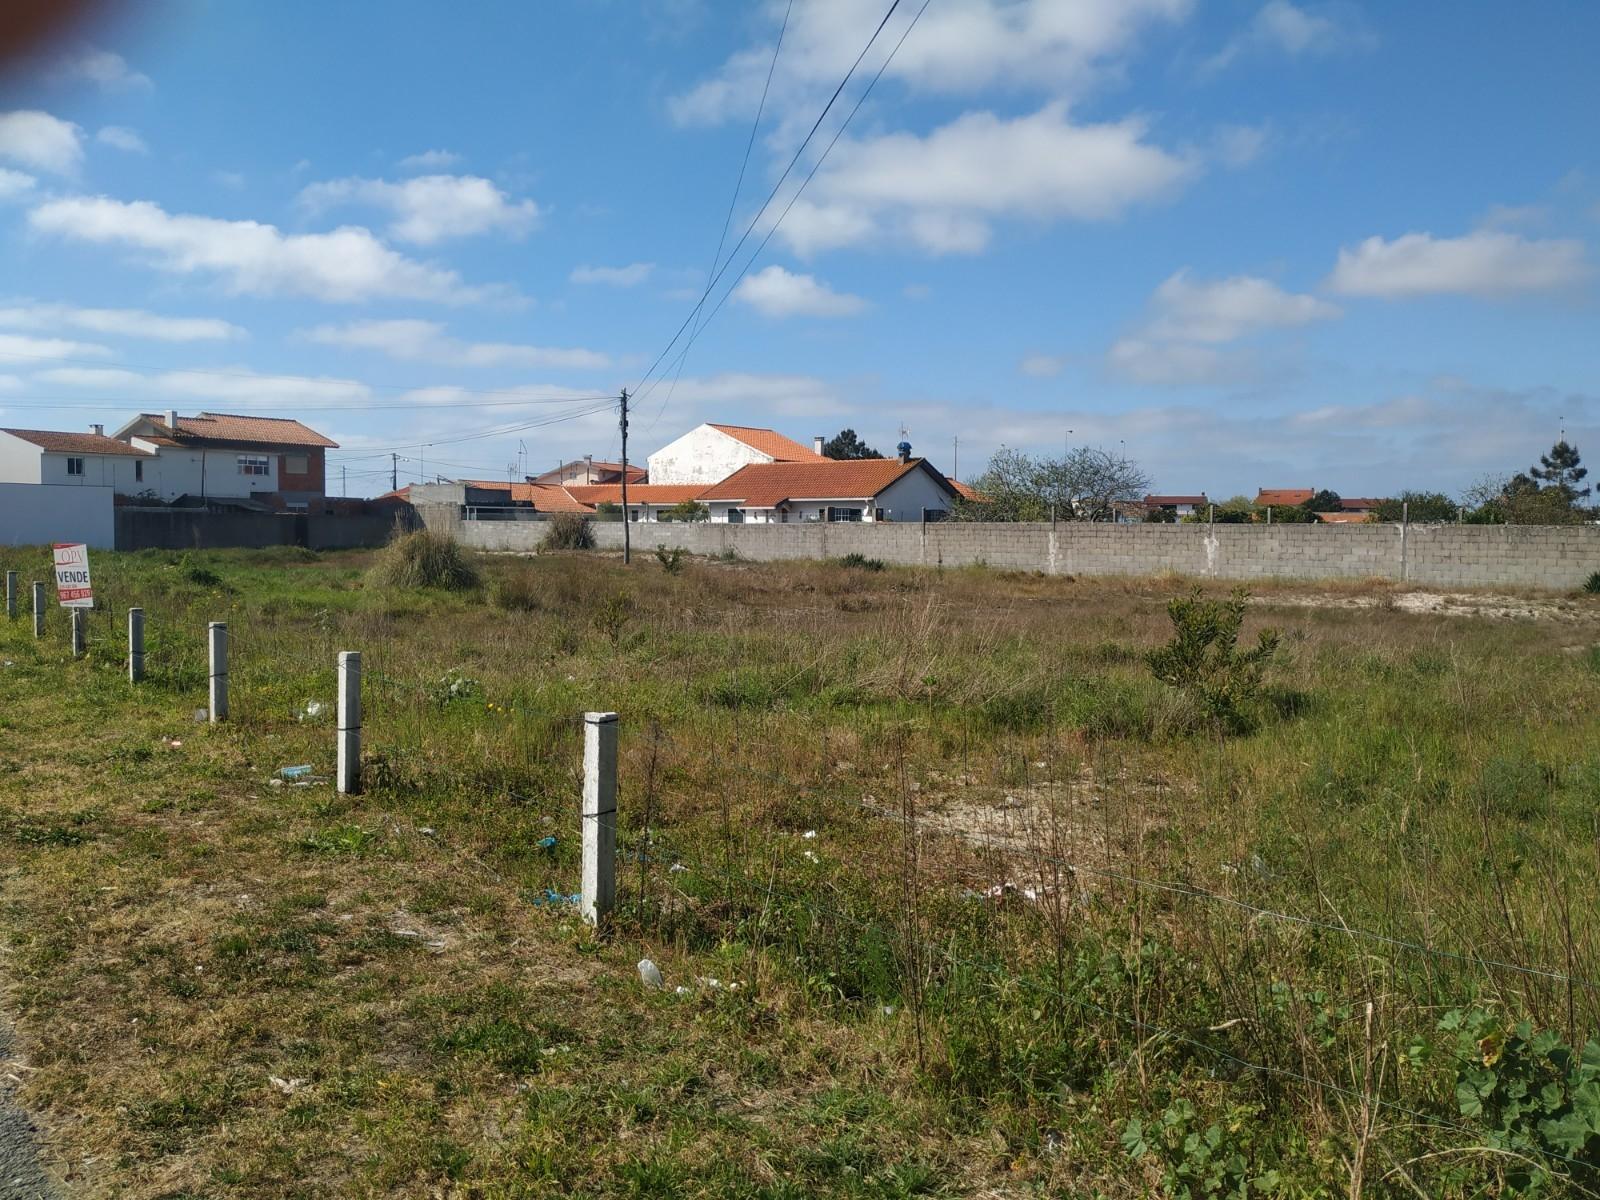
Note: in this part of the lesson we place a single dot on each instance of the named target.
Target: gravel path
(21, 1176)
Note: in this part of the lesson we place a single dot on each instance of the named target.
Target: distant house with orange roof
(709, 453)
(589, 471)
(867, 489)
(1283, 497)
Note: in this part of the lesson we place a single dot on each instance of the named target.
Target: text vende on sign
(72, 575)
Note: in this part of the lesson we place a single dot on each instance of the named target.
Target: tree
(1083, 486)
(1323, 501)
(1420, 506)
(688, 511)
(1562, 468)
(1519, 500)
(846, 445)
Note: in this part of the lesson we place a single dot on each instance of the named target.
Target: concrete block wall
(1556, 557)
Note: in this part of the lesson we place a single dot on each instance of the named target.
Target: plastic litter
(299, 772)
(546, 843)
(201, 716)
(809, 834)
(311, 710)
(677, 867)
(650, 974)
(551, 896)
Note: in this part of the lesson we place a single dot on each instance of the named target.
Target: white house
(710, 453)
(77, 459)
(273, 460)
(870, 489)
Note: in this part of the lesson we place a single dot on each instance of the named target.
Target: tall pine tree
(1563, 468)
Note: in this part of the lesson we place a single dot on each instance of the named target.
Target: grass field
(951, 895)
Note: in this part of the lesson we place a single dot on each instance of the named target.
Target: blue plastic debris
(295, 772)
(546, 843)
(551, 896)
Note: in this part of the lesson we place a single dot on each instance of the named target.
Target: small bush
(517, 592)
(568, 531)
(1204, 658)
(613, 615)
(1592, 584)
(670, 558)
(198, 573)
(424, 559)
(453, 686)
(861, 562)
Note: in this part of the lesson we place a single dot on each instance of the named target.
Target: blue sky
(1258, 243)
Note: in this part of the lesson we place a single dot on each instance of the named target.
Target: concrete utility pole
(599, 816)
(627, 542)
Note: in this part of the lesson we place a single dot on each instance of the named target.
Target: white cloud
(1189, 319)
(36, 139)
(105, 69)
(14, 346)
(741, 395)
(13, 184)
(426, 341)
(234, 386)
(118, 322)
(1042, 366)
(119, 137)
(1484, 263)
(10, 383)
(916, 291)
(430, 208)
(232, 180)
(775, 292)
(629, 276)
(346, 265)
(1284, 28)
(1238, 145)
(942, 191)
(430, 160)
(957, 48)
(1190, 310)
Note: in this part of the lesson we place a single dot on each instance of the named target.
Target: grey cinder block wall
(1555, 557)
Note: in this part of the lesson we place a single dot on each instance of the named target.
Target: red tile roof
(771, 443)
(231, 427)
(638, 493)
(1343, 518)
(1359, 504)
(766, 485)
(75, 443)
(1283, 496)
(967, 492)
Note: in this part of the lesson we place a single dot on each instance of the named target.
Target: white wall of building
(212, 472)
(906, 497)
(703, 455)
(34, 514)
(115, 471)
(19, 460)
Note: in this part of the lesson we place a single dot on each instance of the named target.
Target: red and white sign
(72, 575)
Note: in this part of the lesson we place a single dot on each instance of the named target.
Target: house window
(736, 516)
(296, 464)
(844, 514)
(254, 464)
(138, 472)
(74, 466)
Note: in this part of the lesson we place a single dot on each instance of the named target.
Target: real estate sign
(72, 575)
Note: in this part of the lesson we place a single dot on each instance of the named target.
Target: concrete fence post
(1269, 514)
(135, 645)
(11, 595)
(349, 782)
(599, 816)
(218, 631)
(80, 629)
(38, 609)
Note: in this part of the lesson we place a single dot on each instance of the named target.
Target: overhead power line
(772, 195)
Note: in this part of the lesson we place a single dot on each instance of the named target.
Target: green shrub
(670, 558)
(515, 592)
(861, 562)
(424, 559)
(198, 573)
(1204, 658)
(1592, 584)
(568, 531)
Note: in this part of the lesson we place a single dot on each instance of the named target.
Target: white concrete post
(349, 782)
(11, 595)
(135, 645)
(219, 671)
(38, 609)
(80, 626)
(599, 816)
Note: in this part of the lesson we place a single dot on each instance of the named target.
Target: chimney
(98, 430)
(172, 419)
(817, 443)
(903, 451)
